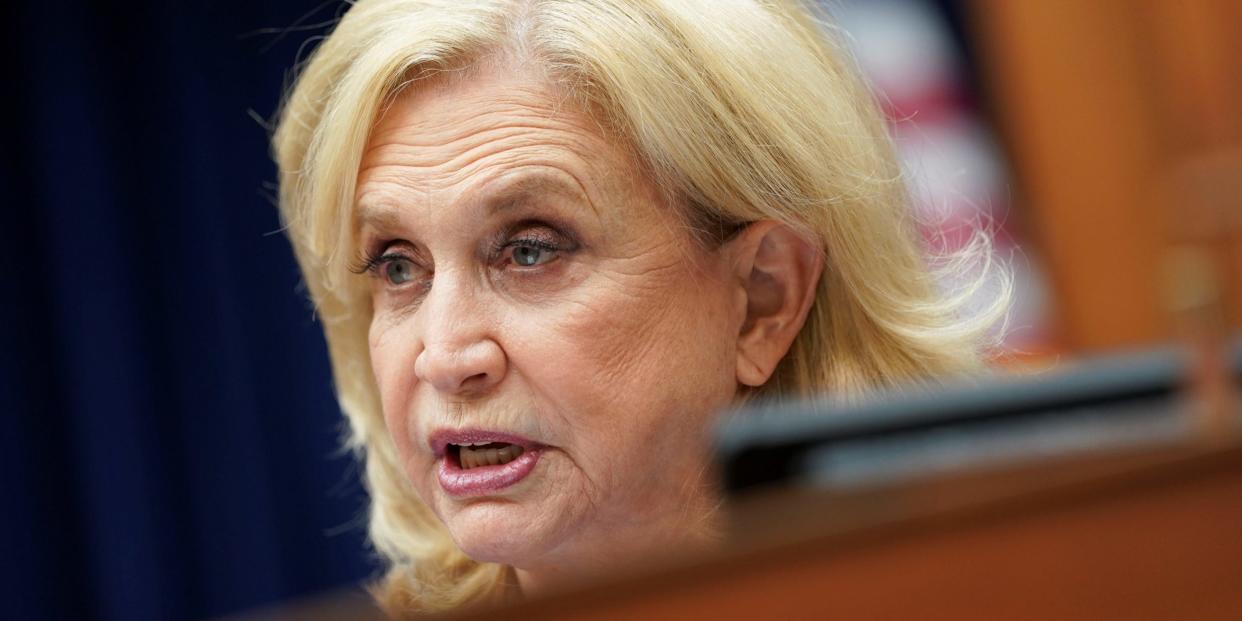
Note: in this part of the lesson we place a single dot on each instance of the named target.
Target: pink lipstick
(475, 462)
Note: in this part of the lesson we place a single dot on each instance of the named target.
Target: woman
(548, 240)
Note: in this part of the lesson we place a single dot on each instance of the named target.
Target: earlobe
(779, 271)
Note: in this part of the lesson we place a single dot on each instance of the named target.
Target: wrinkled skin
(612, 342)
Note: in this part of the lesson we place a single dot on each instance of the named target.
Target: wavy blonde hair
(742, 110)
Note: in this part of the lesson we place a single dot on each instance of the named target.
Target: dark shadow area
(172, 446)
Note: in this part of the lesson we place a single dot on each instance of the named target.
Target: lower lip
(484, 480)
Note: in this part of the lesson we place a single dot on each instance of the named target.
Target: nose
(461, 371)
(460, 356)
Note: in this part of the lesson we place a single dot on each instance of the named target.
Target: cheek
(393, 366)
(670, 339)
(640, 367)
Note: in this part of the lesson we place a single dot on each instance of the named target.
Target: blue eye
(529, 255)
(398, 271)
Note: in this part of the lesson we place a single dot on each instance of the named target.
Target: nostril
(475, 381)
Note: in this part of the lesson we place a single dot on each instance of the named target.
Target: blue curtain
(171, 446)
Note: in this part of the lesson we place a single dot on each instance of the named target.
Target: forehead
(441, 142)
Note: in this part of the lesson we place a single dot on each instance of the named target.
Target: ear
(778, 271)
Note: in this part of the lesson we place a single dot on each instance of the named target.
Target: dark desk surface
(1108, 503)
(1150, 535)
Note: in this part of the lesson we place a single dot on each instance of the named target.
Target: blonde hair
(742, 110)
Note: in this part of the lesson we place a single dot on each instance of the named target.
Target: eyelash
(528, 242)
(372, 260)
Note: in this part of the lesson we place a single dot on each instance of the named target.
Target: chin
(496, 531)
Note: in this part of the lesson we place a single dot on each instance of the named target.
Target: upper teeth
(469, 457)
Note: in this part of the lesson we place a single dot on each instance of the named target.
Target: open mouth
(481, 454)
(481, 462)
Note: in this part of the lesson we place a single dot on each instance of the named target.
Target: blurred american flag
(955, 169)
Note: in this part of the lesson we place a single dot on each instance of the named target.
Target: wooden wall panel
(1105, 105)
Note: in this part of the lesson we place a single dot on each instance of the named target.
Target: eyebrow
(507, 194)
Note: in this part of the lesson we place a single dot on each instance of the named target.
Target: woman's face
(534, 294)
